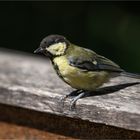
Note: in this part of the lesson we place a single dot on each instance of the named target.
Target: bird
(79, 67)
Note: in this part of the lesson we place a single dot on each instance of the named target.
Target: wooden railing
(30, 94)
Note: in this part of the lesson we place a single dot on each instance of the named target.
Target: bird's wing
(106, 64)
(90, 61)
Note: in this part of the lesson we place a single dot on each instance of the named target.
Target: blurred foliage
(109, 28)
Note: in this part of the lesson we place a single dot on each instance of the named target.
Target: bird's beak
(39, 50)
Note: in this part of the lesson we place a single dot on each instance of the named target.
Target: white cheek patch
(57, 49)
(94, 62)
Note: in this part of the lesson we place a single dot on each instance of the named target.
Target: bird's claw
(74, 98)
(72, 104)
(62, 99)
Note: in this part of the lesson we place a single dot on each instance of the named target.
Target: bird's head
(53, 45)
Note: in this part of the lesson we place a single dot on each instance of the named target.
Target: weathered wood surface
(29, 81)
(60, 126)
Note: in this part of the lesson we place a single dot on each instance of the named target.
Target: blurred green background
(111, 29)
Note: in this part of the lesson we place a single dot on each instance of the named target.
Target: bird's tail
(131, 75)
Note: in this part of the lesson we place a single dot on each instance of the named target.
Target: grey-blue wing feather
(97, 63)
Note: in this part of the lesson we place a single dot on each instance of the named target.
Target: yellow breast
(78, 78)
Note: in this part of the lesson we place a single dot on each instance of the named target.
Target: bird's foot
(73, 101)
(73, 95)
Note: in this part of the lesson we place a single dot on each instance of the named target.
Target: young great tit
(81, 68)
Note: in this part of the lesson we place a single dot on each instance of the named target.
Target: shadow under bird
(81, 68)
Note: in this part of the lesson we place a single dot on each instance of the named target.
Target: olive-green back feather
(89, 60)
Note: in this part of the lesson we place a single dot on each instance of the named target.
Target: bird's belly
(85, 80)
(81, 79)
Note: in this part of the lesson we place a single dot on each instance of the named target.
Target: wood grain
(29, 81)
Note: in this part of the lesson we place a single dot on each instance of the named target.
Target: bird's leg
(73, 101)
(73, 93)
